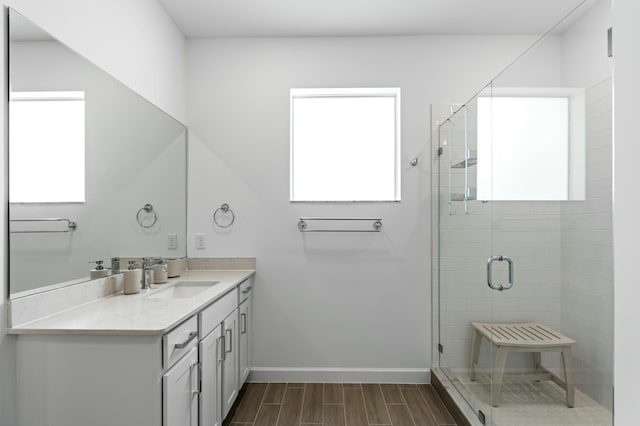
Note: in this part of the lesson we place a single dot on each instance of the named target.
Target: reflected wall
(134, 154)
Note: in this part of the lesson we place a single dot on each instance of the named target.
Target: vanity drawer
(245, 288)
(179, 341)
(213, 316)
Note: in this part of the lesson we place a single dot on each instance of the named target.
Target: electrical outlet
(201, 241)
(172, 241)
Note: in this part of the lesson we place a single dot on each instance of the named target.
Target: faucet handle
(98, 263)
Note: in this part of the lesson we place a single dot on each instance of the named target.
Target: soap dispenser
(132, 279)
(98, 271)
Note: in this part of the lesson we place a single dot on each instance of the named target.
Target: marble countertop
(121, 314)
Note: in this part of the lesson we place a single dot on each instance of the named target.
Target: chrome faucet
(147, 266)
(115, 265)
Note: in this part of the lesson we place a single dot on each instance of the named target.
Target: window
(530, 148)
(345, 144)
(46, 152)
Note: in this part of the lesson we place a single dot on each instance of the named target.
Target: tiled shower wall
(562, 256)
(587, 256)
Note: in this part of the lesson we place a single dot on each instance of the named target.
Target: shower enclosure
(522, 185)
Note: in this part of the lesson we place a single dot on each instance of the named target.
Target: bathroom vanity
(174, 355)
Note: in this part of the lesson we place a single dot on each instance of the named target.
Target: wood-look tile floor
(338, 404)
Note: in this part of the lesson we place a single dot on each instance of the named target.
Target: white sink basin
(183, 290)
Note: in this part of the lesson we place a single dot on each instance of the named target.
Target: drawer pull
(246, 290)
(184, 344)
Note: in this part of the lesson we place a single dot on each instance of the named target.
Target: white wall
(626, 208)
(584, 48)
(324, 300)
(136, 42)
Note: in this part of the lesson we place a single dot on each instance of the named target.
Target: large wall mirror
(95, 170)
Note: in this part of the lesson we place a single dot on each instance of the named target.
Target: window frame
(378, 92)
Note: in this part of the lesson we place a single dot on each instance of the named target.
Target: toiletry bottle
(98, 271)
(160, 273)
(132, 278)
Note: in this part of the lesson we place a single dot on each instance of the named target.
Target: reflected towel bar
(71, 225)
(303, 227)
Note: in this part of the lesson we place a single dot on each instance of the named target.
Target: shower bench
(524, 337)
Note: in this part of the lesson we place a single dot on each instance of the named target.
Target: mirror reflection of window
(529, 148)
(47, 149)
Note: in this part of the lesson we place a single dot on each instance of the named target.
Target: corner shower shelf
(471, 195)
(470, 159)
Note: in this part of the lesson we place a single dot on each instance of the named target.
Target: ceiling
(309, 18)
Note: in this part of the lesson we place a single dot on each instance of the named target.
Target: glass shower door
(464, 245)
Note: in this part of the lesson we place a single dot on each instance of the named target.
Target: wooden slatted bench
(525, 337)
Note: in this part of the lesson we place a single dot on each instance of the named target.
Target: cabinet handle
(194, 392)
(184, 344)
(246, 290)
(230, 331)
(193, 366)
(221, 348)
(244, 323)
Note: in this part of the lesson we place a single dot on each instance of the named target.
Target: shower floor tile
(533, 404)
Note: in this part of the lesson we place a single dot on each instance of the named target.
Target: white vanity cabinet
(189, 376)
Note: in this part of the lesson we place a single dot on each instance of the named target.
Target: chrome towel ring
(221, 212)
(148, 208)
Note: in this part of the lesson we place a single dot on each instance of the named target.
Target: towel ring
(223, 209)
(149, 209)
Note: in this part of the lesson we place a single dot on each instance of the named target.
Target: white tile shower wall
(587, 256)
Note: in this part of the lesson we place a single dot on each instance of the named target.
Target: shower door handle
(499, 287)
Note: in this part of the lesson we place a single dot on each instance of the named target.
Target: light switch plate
(201, 241)
(172, 241)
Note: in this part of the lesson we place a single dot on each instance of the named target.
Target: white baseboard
(340, 375)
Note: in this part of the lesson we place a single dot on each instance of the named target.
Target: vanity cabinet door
(243, 337)
(180, 388)
(211, 380)
(230, 363)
